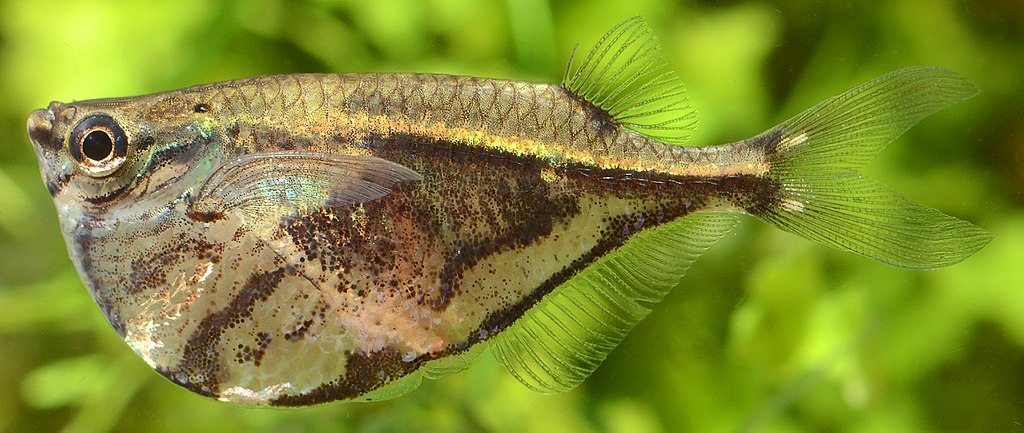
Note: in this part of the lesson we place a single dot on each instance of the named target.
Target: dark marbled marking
(151, 271)
(55, 186)
(364, 372)
(253, 354)
(517, 205)
(201, 365)
(528, 211)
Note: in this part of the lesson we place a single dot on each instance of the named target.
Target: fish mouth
(40, 128)
(41, 124)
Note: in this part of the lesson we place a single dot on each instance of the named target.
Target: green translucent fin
(397, 388)
(626, 76)
(559, 342)
(816, 157)
(451, 364)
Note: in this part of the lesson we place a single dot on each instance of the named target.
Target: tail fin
(816, 156)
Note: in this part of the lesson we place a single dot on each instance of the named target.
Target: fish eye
(98, 145)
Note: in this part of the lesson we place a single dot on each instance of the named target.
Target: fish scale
(298, 239)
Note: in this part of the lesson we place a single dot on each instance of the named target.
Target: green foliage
(768, 332)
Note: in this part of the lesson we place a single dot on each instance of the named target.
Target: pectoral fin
(270, 185)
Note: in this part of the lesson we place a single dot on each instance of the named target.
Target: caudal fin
(816, 157)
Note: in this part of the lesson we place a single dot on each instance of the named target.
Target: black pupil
(97, 145)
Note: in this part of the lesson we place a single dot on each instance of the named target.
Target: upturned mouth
(40, 128)
(41, 125)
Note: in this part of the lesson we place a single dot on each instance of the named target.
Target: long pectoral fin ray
(275, 184)
(559, 342)
(626, 76)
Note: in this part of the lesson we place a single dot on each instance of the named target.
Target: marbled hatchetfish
(297, 239)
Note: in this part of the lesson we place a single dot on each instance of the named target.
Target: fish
(298, 239)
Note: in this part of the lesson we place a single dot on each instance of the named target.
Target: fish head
(120, 172)
(98, 157)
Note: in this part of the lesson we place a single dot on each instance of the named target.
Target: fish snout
(40, 129)
(42, 124)
(44, 129)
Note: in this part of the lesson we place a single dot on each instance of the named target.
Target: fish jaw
(44, 131)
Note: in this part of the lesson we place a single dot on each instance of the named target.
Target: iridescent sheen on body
(298, 239)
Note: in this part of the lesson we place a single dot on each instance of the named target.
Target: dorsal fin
(626, 76)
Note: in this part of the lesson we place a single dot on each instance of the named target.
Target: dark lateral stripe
(750, 192)
(524, 227)
(201, 365)
(755, 194)
(747, 191)
(615, 236)
(366, 372)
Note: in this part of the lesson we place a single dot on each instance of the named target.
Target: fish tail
(814, 161)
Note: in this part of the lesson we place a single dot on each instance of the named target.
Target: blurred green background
(768, 332)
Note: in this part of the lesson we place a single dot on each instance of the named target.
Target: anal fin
(561, 341)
